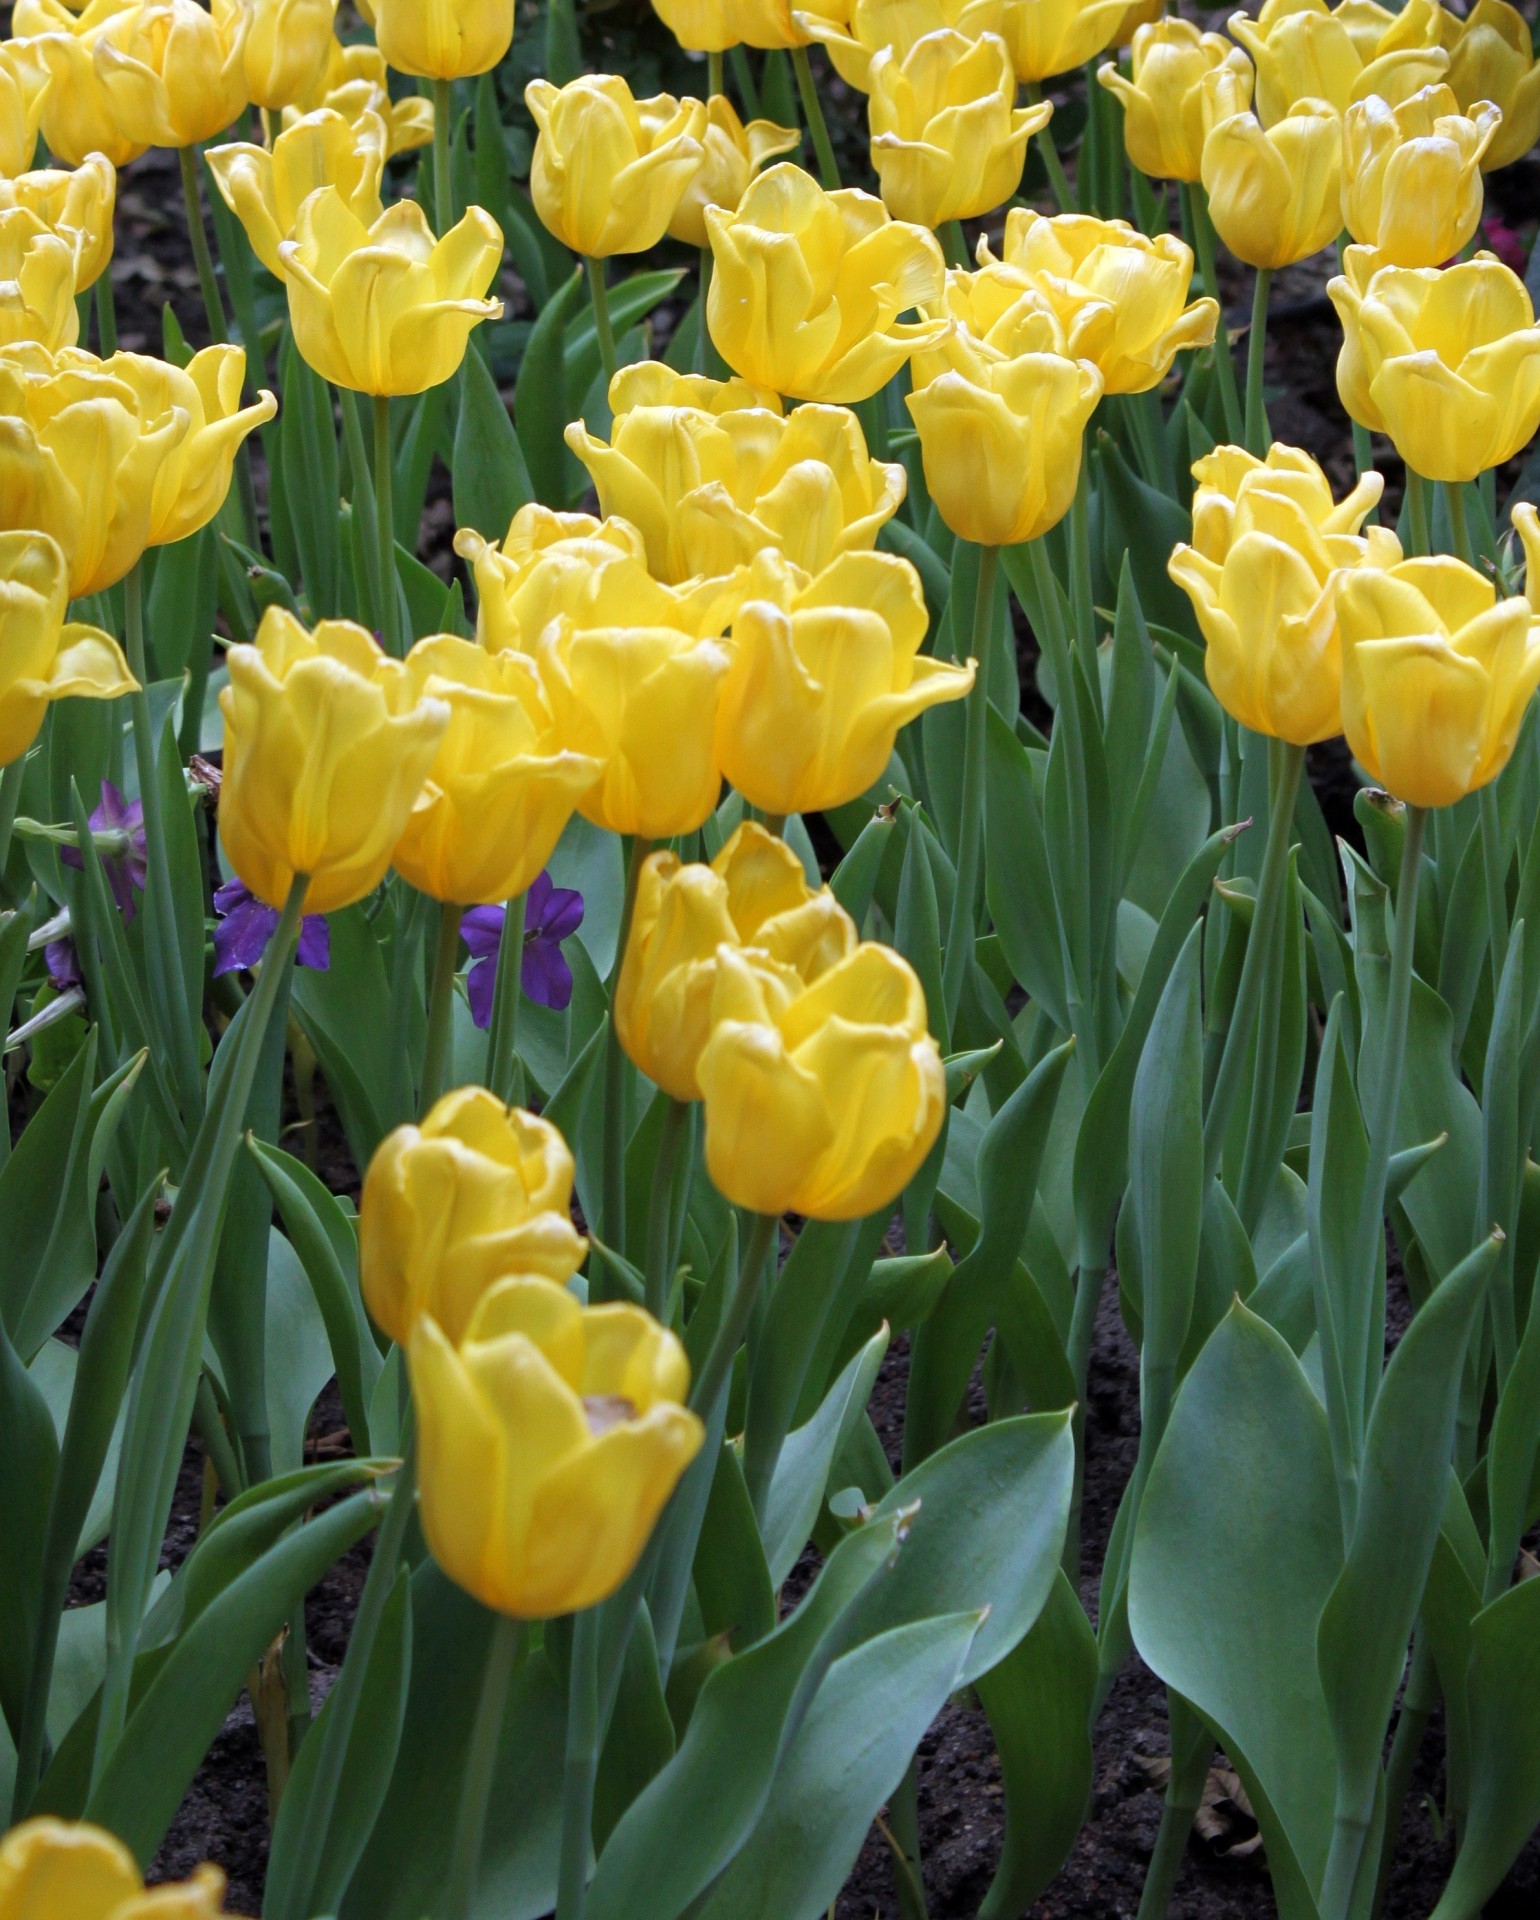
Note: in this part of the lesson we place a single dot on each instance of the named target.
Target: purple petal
(241, 938)
(482, 930)
(232, 894)
(315, 942)
(546, 977)
(112, 814)
(480, 987)
(563, 914)
(63, 964)
(120, 878)
(536, 897)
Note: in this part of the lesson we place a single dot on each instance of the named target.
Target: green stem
(563, 50)
(1224, 357)
(660, 1218)
(954, 244)
(503, 1036)
(713, 75)
(582, 1766)
(1417, 1704)
(385, 523)
(1191, 1749)
(960, 928)
(615, 1132)
(106, 316)
(1419, 526)
(443, 174)
(203, 259)
(1496, 871)
(598, 294)
(1081, 597)
(812, 112)
(743, 79)
(1048, 147)
(1257, 430)
(441, 996)
(365, 515)
(713, 1376)
(505, 1655)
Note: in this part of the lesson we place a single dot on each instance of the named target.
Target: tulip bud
(1268, 542)
(37, 282)
(77, 205)
(1304, 51)
(66, 1870)
(809, 286)
(443, 39)
(23, 84)
(355, 81)
(265, 188)
(1411, 179)
(55, 49)
(550, 1443)
(1275, 194)
(327, 746)
(287, 47)
(734, 154)
(174, 72)
(42, 657)
(754, 895)
(1437, 673)
(1163, 95)
(609, 170)
(450, 1207)
(1493, 58)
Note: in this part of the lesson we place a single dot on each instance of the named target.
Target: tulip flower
(288, 44)
(609, 170)
(43, 657)
(113, 456)
(1436, 675)
(1526, 524)
(77, 204)
(1162, 95)
(23, 83)
(64, 1870)
(753, 896)
(808, 288)
(1411, 175)
(551, 1439)
(387, 309)
(1304, 51)
(327, 746)
(76, 113)
(823, 1098)
(1493, 58)
(712, 26)
(244, 931)
(479, 1190)
(854, 34)
(825, 672)
(1274, 193)
(1444, 361)
(502, 785)
(552, 915)
(1268, 544)
(948, 141)
(356, 81)
(266, 187)
(734, 154)
(711, 477)
(174, 72)
(443, 39)
(37, 282)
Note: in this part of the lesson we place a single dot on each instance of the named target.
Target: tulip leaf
(344, 1013)
(26, 1489)
(732, 1581)
(629, 302)
(795, 1495)
(491, 481)
(640, 1741)
(540, 397)
(312, 483)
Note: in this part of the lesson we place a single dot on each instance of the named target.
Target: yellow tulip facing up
(42, 657)
(734, 154)
(550, 1439)
(1305, 51)
(443, 39)
(1162, 95)
(77, 204)
(64, 1870)
(610, 170)
(1411, 175)
(287, 47)
(266, 187)
(1492, 57)
(1274, 192)
(174, 72)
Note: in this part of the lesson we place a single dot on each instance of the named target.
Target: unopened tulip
(327, 747)
(387, 309)
(1411, 175)
(63, 1870)
(443, 39)
(37, 282)
(821, 1099)
(1268, 541)
(76, 113)
(550, 1441)
(1445, 361)
(265, 188)
(610, 170)
(1437, 673)
(1162, 95)
(174, 71)
(1275, 192)
(77, 204)
(23, 81)
(356, 81)
(477, 1191)
(711, 477)
(734, 154)
(1492, 57)
(1305, 51)
(502, 786)
(287, 47)
(42, 656)
(809, 286)
(754, 895)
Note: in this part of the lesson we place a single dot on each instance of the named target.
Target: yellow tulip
(1411, 175)
(77, 205)
(265, 188)
(113, 456)
(287, 47)
(77, 115)
(63, 1870)
(823, 1098)
(23, 84)
(443, 39)
(609, 170)
(174, 72)
(478, 1191)
(327, 746)
(550, 1441)
(1446, 361)
(711, 476)
(502, 786)
(1275, 193)
(948, 141)
(1050, 37)
(734, 154)
(853, 35)
(387, 309)
(1268, 541)
(1436, 675)
(1304, 51)
(1162, 95)
(43, 657)
(754, 895)
(809, 287)
(356, 81)
(1526, 524)
(712, 26)
(37, 282)
(1491, 57)
(825, 672)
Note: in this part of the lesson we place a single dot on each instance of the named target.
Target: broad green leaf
(732, 1581)
(540, 398)
(796, 1493)
(1018, 880)
(26, 1487)
(640, 1740)
(491, 481)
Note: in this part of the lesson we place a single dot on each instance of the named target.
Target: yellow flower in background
(77, 204)
(1436, 675)
(853, 35)
(43, 657)
(174, 71)
(327, 747)
(65, 1870)
(809, 286)
(1444, 360)
(443, 39)
(23, 82)
(1492, 57)
(824, 1098)
(754, 895)
(734, 154)
(113, 456)
(610, 170)
(1268, 542)
(1162, 95)
(709, 485)
(1050, 37)
(77, 115)
(450, 1207)
(948, 140)
(265, 188)
(502, 785)
(1411, 175)
(37, 282)
(387, 308)
(550, 1442)
(712, 26)
(825, 672)
(1275, 193)
(287, 47)
(1526, 524)
(356, 81)
(1305, 51)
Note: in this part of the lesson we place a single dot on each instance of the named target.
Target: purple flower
(126, 871)
(247, 924)
(551, 915)
(63, 964)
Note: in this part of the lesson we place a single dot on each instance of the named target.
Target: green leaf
(796, 1493)
(491, 481)
(26, 1488)
(1344, 1304)
(629, 302)
(1018, 881)
(540, 398)
(345, 1016)
(298, 1353)
(732, 1581)
(640, 1741)
(312, 484)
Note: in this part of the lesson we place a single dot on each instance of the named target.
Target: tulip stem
(660, 1218)
(713, 75)
(1492, 857)
(961, 926)
(615, 1130)
(385, 522)
(504, 1075)
(1419, 535)
(443, 164)
(1257, 431)
(208, 279)
(1224, 358)
(599, 295)
(1082, 597)
(106, 316)
(812, 112)
(954, 244)
(366, 526)
(441, 995)
(713, 1376)
(1048, 147)
(505, 1656)
(577, 1804)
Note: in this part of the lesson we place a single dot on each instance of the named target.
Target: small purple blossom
(551, 915)
(247, 925)
(126, 871)
(63, 964)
